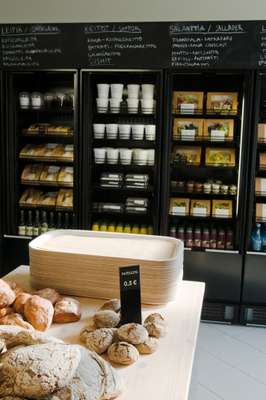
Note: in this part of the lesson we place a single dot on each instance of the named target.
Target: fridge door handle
(222, 251)
(256, 253)
(17, 237)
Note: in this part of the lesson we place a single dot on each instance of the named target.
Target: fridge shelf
(205, 141)
(194, 194)
(201, 217)
(47, 183)
(64, 138)
(176, 166)
(46, 207)
(146, 144)
(48, 110)
(208, 114)
(47, 159)
(123, 188)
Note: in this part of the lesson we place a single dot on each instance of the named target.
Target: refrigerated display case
(42, 147)
(122, 150)
(253, 308)
(204, 170)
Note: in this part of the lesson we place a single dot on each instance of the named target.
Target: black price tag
(130, 294)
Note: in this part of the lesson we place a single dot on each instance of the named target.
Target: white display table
(164, 375)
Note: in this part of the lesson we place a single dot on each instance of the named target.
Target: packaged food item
(216, 188)
(197, 238)
(187, 129)
(200, 208)
(207, 187)
(187, 102)
(224, 189)
(32, 150)
(198, 187)
(205, 238)
(66, 176)
(65, 198)
(30, 197)
(53, 150)
(222, 102)
(260, 211)
(220, 157)
(190, 186)
(31, 172)
(60, 130)
(229, 243)
(233, 190)
(179, 206)
(186, 155)
(262, 133)
(221, 239)
(36, 129)
(222, 208)
(68, 152)
(262, 161)
(48, 199)
(49, 173)
(24, 100)
(172, 231)
(219, 130)
(137, 201)
(189, 237)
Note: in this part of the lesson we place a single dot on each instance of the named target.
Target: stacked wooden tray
(86, 263)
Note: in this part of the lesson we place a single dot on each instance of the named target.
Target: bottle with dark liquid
(36, 227)
(44, 225)
(189, 237)
(59, 221)
(22, 226)
(221, 239)
(51, 226)
(66, 224)
(206, 238)
(229, 244)
(197, 238)
(172, 231)
(213, 238)
(29, 226)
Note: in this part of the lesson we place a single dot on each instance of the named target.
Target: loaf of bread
(31, 172)
(132, 333)
(49, 294)
(149, 346)
(39, 312)
(66, 175)
(99, 340)
(65, 198)
(30, 197)
(67, 310)
(7, 295)
(49, 173)
(106, 319)
(17, 320)
(48, 199)
(20, 302)
(113, 304)
(123, 353)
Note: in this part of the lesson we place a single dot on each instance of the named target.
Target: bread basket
(86, 263)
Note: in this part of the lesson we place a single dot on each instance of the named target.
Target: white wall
(129, 10)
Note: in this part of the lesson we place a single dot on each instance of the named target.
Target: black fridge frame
(10, 239)
(86, 121)
(222, 301)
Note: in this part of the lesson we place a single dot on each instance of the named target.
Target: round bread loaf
(39, 312)
(90, 327)
(113, 304)
(67, 310)
(49, 294)
(20, 302)
(7, 295)
(123, 353)
(155, 325)
(6, 311)
(132, 333)
(99, 340)
(17, 320)
(106, 319)
(149, 346)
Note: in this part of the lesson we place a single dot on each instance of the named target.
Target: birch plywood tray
(86, 263)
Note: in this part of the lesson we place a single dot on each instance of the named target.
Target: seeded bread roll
(123, 353)
(7, 295)
(67, 310)
(90, 327)
(132, 333)
(20, 302)
(113, 304)
(149, 346)
(99, 340)
(17, 320)
(49, 294)
(39, 312)
(106, 319)
(155, 325)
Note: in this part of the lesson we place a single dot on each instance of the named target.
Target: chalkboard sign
(130, 45)
(130, 294)
(212, 44)
(26, 46)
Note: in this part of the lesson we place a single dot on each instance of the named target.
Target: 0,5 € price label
(130, 294)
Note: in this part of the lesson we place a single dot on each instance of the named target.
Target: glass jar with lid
(24, 100)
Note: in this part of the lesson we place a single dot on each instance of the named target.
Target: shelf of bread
(46, 129)
(52, 175)
(34, 198)
(48, 152)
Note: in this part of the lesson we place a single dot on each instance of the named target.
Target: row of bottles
(35, 224)
(204, 237)
(258, 238)
(110, 226)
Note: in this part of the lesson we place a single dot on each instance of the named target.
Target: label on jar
(223, 212)
(188, 108)
(217, 135)
(178, 210)
(199, 211)
(188, 134)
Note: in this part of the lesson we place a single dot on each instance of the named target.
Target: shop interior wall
(18, 11)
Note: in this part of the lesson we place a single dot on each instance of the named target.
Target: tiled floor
(230, 363)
